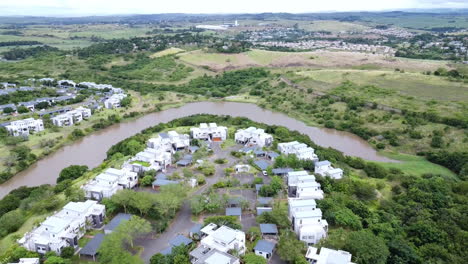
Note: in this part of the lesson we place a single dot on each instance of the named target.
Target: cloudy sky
(106, 7)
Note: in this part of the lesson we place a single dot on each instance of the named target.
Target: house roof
(162, 182)
(261, 210)
(273, 154)
(115, 222)
(235, 200)
(163, 135)
(259, 152)
(179, 240)
(193, 148)
(268, 229)
(263, 165)
(258, 187)
(235, 211)
(281, 171)
(264, 246)
(264, 200)
(322, 163)
(184, 162)
(93, 245)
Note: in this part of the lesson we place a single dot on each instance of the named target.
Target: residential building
(114, 100)
(64, 228)
(115, 222)
(300, 205)
(170, 142)
(310, 189)
(264, 248)
(109, 182)
(327, 256)
(210, 132)
(325, 168)
(71, 117)
(149, 159)
(301, 150)
(269, 231)
(253, 136)
(223, 239)
(204, 255)
(309, 225)
(25, 127)
(27, 261)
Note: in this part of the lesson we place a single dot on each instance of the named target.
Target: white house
(210, 132)
(301, 150)
(300, 205)
(223, 239)
(170, 142)
(253, 136)
(64, 228)
(327, 256)
(309, 225)
(71, 117)
(25, 127)
(203, 255)
(109, 182)
(325, 168)
(114, 100)
(310, 189)
(27, 261)
(149, 159)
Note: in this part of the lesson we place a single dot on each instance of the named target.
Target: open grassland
(169, 51)
(333, 26)
(316, 59)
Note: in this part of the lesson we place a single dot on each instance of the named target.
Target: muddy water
(91, 150)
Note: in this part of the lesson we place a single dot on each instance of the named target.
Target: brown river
(91, 150)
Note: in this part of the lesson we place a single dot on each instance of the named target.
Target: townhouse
(301, 150)
(327, 256)
(109, 182)
(325, 168)
(25, 127)
(64, 228)
(71, 117)
(253, 136)
(114, 100)
(170, 142)
(309, 225)
(149, 159)
(209, 132)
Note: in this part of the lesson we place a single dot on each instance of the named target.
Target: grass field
(333, 26)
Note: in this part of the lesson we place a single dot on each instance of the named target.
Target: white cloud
(88, 7)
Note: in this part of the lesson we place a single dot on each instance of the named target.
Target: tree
(56, 260)
(11, 221)
(147, 180)
(22, 109)
(72, 172)
(134, 228)
(8, 110)
(67, 252)
(289, 247)
(126, 101)
(254, 233)
(252, 258)
(367, 248)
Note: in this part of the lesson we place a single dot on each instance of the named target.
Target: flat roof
(268, 229)
(235, 211)
(92, 247)
(264, 246)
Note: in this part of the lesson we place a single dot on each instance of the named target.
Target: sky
(112, 7)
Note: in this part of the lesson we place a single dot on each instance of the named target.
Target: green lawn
(142, 163)
(416, 165)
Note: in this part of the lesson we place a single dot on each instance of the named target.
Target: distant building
(25, 127)
(327, 256)
(71, 117)
(64, 228)
(210, 132)
(325, 168)
(114, 101)
(301, 150)
(253, 136)
(109, 182)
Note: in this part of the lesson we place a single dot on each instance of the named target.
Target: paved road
(182, 222)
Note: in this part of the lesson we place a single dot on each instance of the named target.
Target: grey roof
(261, 210)
(265, 246)
(166, 251)
(323, 163)
(161, 176)
(234, 211)
(162, 182)
(273, 154)
(184, 162)
(179, 240)
(115, 222)
(263, 165)
(279, 171)
(264, 200)
(7, 105)
(193, 148)
(248, 149)
(93, 245)
(163, 135)
(187, 157)
(235, 200)
(268, 229)
(259, 152)
(196, 228)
